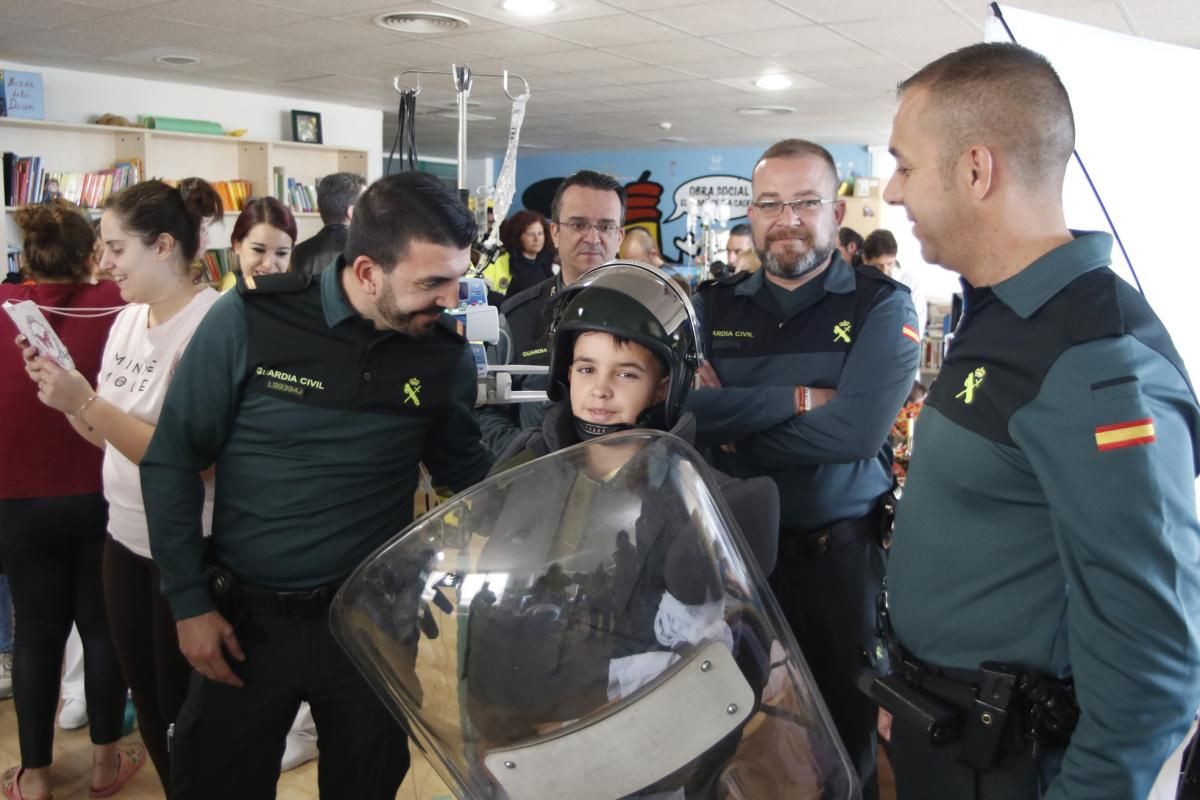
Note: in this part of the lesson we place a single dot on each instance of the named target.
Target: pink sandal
(10, 783)
(130, 758)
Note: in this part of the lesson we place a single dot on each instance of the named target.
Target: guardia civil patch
(1125, 434)
(909, 332)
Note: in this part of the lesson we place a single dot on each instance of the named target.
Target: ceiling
(604, 73)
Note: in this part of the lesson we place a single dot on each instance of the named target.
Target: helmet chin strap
(653, 417)
(592, 430)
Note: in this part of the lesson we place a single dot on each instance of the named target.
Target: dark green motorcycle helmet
(632, 301)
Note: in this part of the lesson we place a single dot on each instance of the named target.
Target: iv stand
(464, 79)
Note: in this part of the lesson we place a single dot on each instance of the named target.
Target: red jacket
(41, 455)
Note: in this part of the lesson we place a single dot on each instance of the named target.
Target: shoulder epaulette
(279, 283)
(871, 273)
(728, 280)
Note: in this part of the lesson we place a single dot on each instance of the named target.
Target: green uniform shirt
(1049, 515)
(316, 423)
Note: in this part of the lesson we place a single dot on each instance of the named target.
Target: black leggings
(144, 633)
(51, 548)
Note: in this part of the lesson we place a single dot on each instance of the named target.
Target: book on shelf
(215, 263)
(26, 180)
(301, 197)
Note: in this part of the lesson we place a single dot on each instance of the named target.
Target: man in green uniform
(316, 399)
(1049, 516)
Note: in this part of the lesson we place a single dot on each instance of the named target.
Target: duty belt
(798, 544)
(994, 706)
(295, 604)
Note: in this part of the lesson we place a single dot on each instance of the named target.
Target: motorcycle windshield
(591, 625)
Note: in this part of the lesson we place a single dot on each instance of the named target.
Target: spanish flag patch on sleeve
(1124, 434)
(908, 331)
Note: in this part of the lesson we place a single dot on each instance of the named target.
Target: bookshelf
(66, 147)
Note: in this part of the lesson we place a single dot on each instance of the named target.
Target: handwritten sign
(23, 94)
(731, 189)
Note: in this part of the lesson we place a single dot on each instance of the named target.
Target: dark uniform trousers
(827, 582)
(925, 771)
(228, 742)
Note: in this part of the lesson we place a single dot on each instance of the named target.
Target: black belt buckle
(987, 720)
(302, 604)
(819, 544)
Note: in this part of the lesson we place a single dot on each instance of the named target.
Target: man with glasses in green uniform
(587, 219)
(808, 362)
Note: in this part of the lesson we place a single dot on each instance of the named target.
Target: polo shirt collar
(1034, 286)
(333, 297)
(837, 279)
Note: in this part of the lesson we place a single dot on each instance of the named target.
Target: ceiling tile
(231, 14)
(416, 53)
(512, 44)
(784, 42)
(647, 5)
(727, 68)
(832, 59)
(47, 13)
(632, 76)
(328, 34)
(116, 5)
(676, 51)
(322, 8)
(947, 31)
(613, 94)
(611, 31)
(567, 9)
(78, 43)
(153, 31)
(11, 29)
(263, 71)
(253, 45)
(854, 10)
(580, 60)
(727, 17)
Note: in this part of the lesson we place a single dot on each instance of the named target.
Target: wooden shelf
(71, 147)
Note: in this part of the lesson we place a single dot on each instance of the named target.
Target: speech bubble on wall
(732, 189)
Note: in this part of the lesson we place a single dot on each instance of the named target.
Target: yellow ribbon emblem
(841, 331)
(412, 392)
(967, 395)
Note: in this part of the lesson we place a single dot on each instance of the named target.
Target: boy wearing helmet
(623, 355)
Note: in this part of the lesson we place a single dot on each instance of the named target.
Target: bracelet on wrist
(84, 407)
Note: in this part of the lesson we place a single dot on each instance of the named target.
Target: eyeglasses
(773, 208)
(582, 226)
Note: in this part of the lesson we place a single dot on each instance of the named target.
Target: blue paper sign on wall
(22, 94)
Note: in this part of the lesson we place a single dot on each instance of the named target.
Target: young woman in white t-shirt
(151, 233)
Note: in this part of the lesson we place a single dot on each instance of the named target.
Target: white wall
(79, 97)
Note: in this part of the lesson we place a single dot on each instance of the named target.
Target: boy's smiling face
(613, 383)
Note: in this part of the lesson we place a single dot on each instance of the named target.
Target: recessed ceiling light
(529, 8)
(177, 60)
(421, 22)
(773, 82)
(765, 111)
(666, 126)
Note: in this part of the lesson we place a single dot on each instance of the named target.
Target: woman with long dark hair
(151, 233)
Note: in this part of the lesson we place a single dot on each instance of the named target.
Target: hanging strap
(506, 184)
